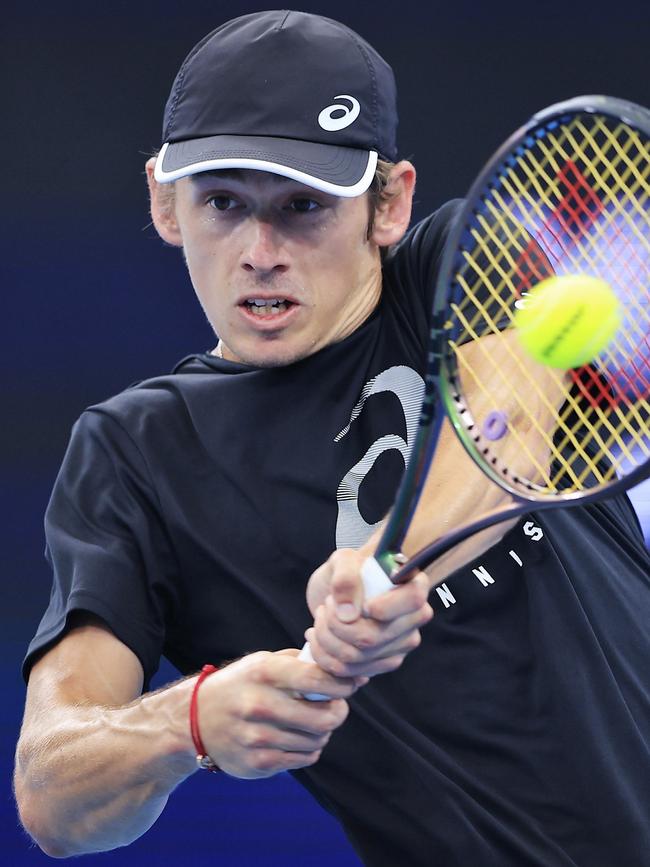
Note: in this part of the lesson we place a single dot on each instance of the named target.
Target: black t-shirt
(191, 509)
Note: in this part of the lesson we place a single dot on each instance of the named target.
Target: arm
(456, 492)
(96, 761)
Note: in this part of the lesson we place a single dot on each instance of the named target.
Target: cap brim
(336, 170)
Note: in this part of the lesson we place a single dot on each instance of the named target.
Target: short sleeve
(107, 544)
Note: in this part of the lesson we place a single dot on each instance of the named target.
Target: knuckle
(414, 640)
(333, 665)
(332, 721)
(260, 672)
(375, 608)
(364, 641)
(344, 555)
(310, 759)
(346, 567)
(419, 594)
(254, 738)
(265, 760)
(344, 587)
(337, 667)
(253, 708)
(341, 713)
(321, 734)
(260, 711)
(340, 558)
(321, 728)
(348, 654)
(391, 663)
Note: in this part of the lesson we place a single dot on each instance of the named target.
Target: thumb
(346, 590)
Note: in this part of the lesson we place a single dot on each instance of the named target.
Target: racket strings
(572, 438)
(542, 468)
(506, 275)
(537, 192)
(621, 146)
(505, 282)
(539, 393)
(541, 195)
(610, 183)
(625, 150)
(573, 199)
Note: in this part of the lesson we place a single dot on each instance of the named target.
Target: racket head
(568, 193)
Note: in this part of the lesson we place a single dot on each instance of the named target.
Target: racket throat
(390, 562)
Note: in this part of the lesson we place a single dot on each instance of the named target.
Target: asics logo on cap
(327, 119)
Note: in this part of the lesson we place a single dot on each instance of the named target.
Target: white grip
(375, 582)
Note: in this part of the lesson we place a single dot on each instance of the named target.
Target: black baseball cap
(285, 92)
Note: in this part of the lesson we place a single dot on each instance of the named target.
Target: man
(189, 511)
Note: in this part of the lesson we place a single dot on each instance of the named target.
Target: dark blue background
(93, 301)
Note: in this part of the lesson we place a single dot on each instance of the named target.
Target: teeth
(266, 306)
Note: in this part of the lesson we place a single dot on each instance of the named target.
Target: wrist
(167, 712)
(203, 758)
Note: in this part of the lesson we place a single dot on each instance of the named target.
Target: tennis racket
(567, 194)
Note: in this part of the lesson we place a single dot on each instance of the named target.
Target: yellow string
(608, 235)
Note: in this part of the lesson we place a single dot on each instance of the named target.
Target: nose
(263, 251)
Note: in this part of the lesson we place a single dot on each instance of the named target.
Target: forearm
(98, 777)
(91, 777)
(441, 511)
(456, 493)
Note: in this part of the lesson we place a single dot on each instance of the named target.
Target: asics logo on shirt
(331, 118)
(352, 529)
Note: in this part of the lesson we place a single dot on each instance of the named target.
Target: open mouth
(267, 306)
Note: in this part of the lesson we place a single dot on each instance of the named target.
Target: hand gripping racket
(567, 194)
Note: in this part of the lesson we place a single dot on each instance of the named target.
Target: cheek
(352, 253)
(344, 250)
(342, 287)
(203, 265)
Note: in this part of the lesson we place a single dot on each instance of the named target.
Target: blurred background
(92, 301)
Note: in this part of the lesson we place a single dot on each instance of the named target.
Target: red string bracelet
(203, 760)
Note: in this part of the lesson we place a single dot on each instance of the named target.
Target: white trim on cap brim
(357, 189)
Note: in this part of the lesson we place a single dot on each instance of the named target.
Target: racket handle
(375, 582)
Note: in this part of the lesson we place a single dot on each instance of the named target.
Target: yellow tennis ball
(567, 321)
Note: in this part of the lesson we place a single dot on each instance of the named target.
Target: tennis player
(190, 509)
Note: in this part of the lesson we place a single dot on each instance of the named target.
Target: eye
(304, 205)
(222, 202)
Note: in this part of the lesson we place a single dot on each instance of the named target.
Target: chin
(273, 356)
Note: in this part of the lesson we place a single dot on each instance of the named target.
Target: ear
(162, 203)
(393, 216)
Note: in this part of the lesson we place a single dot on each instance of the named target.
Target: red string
(202, 758)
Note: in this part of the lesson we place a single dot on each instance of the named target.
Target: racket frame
(442, 397)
